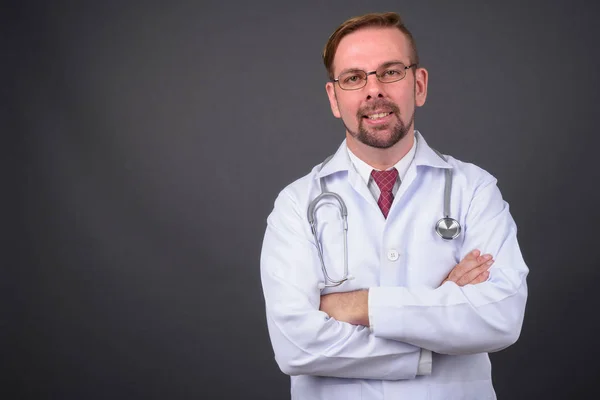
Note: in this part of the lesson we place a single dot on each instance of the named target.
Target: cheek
(406, 103)
(403, 95)
(348, 111)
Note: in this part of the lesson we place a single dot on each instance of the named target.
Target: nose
(373, 88)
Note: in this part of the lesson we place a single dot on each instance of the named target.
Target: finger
(474, 273)
(469, 263)
(473, 254)
(481, 278)
(483, 258)
(464, 265)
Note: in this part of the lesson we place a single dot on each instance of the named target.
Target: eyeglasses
(387, 73)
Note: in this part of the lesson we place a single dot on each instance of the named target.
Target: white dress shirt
(364, 170)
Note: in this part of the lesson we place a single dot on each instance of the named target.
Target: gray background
(147, 142)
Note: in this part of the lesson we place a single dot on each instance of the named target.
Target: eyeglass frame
(374, 73)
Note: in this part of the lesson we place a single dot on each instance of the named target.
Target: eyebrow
(385, 64)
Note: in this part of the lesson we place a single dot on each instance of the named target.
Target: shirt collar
(423, 155)
(364, 169)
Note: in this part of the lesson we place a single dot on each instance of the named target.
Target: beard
(374, 136)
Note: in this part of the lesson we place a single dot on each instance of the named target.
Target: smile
(378, 115)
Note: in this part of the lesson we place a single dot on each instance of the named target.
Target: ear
(330, 88)
(421, 76)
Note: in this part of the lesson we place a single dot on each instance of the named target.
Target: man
(408, 323)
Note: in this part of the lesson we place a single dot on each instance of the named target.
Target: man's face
(379, 114)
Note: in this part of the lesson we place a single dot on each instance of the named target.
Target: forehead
(368, 48)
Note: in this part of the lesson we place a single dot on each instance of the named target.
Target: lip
(378, 111)
(378, 121)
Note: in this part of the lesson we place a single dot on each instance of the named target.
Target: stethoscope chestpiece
(448, 228)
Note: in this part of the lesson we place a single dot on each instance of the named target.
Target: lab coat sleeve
(485, 317)
(305, 340)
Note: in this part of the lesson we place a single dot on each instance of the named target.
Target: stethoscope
(447, 227)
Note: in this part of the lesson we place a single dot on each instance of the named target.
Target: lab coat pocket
(473, 390)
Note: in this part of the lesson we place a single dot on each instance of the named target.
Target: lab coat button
(392, 255)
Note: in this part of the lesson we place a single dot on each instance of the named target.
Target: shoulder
(295, 196)
(302, 190)
(477, 188)
(469, 175)
(464, 174)
(301, 186)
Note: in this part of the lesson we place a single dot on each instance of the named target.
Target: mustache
(377, 105)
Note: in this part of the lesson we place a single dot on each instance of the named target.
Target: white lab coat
(402, 261)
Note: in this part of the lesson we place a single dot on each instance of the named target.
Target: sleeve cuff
(424, 362)
(370, 311)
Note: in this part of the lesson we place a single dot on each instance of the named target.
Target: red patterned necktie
(385, 180)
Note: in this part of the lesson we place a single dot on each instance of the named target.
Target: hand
(472, 269)
(350, 307)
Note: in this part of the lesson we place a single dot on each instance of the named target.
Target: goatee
(371, 137)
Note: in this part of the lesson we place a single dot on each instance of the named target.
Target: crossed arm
(352, 307)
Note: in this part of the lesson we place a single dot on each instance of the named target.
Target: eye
(352, 78)
(391, 72)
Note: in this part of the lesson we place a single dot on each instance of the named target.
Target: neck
(381, 159)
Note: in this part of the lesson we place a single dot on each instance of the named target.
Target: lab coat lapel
(424, 156)
(410, 176)
(359, 185)
(341, 162)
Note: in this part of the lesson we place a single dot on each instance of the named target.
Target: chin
(381, 140)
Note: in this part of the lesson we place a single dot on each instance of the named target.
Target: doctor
(412, 322)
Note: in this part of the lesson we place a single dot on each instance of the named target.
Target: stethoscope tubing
(447, 227)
